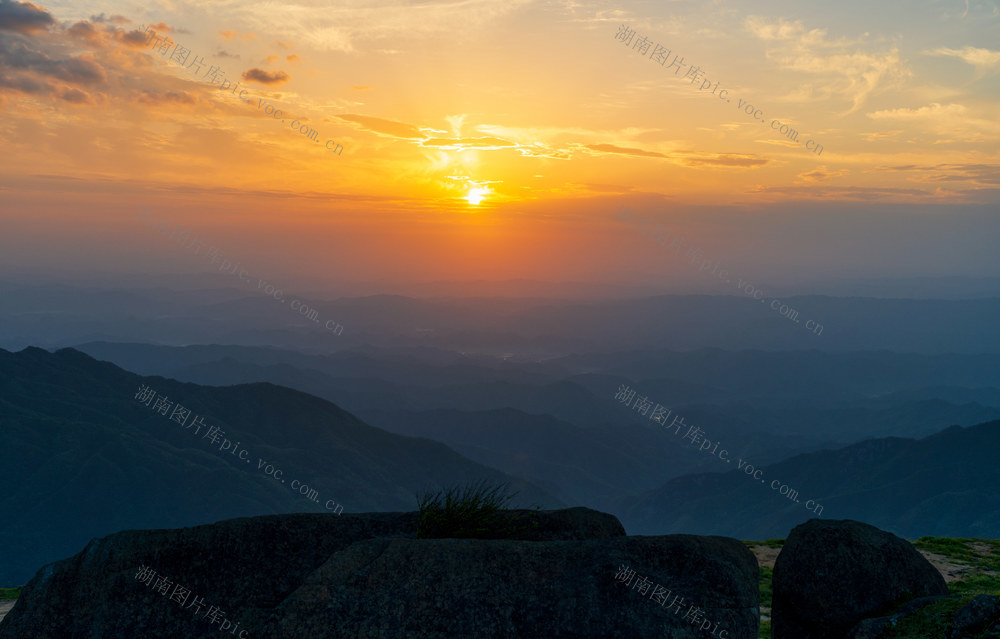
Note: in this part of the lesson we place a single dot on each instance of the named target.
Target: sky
(495, 139)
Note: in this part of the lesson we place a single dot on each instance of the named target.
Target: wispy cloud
(846, 69)
(951, 122)
(341, 27)
(982, 59)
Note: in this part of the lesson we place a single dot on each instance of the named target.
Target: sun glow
(476, 195)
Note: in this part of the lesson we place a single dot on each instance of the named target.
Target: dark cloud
(264, 77)
(75, 96)
(115, 19)
(225, 54)
(23, 17)
(135, 39)
(176, 97)
(24, 84)
(86, 31)
(76, 70)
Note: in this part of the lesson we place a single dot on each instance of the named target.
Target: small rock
(975, 616)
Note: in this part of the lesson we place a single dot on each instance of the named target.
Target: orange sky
(494, 138)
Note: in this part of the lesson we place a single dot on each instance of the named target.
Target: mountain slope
(89, 459)
(942, 485)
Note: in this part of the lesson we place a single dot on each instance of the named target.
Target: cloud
(87, 32)
(225, 54)
(982, 59)
(819, 174)
(23, 17)
(292, 58)
(316, 24)
(932, 112)
(388, 128)
(726, 159)
(75, 96)
(459, 144)
(685, 158)
(846, 67)
(785, 30)
(24, 84)
(167, 97)
(844, 192)
(82, 70)
(953, 123)
(265, 77)
(134, 39)
(115, 70)
(977, 174)
(611, 148)
(115, 19)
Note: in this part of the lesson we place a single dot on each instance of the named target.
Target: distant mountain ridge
(941, 485)
(89, 460)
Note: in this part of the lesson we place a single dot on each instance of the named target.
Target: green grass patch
(981, 555)
(10, 593)
(766, 593)
(963, 550)
(930, 621)
(976, 583)
(477, 511)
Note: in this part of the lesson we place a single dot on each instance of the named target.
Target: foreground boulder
(830, 575)
(321, 576)
(975, 616)
(478, 588)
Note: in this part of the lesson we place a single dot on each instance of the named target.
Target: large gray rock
(832, 574)
(484, 588)
(321, 576)
(242, 566)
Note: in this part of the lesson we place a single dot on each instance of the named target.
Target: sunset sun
(476, 195)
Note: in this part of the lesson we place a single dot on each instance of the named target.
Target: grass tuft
(476, 511)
